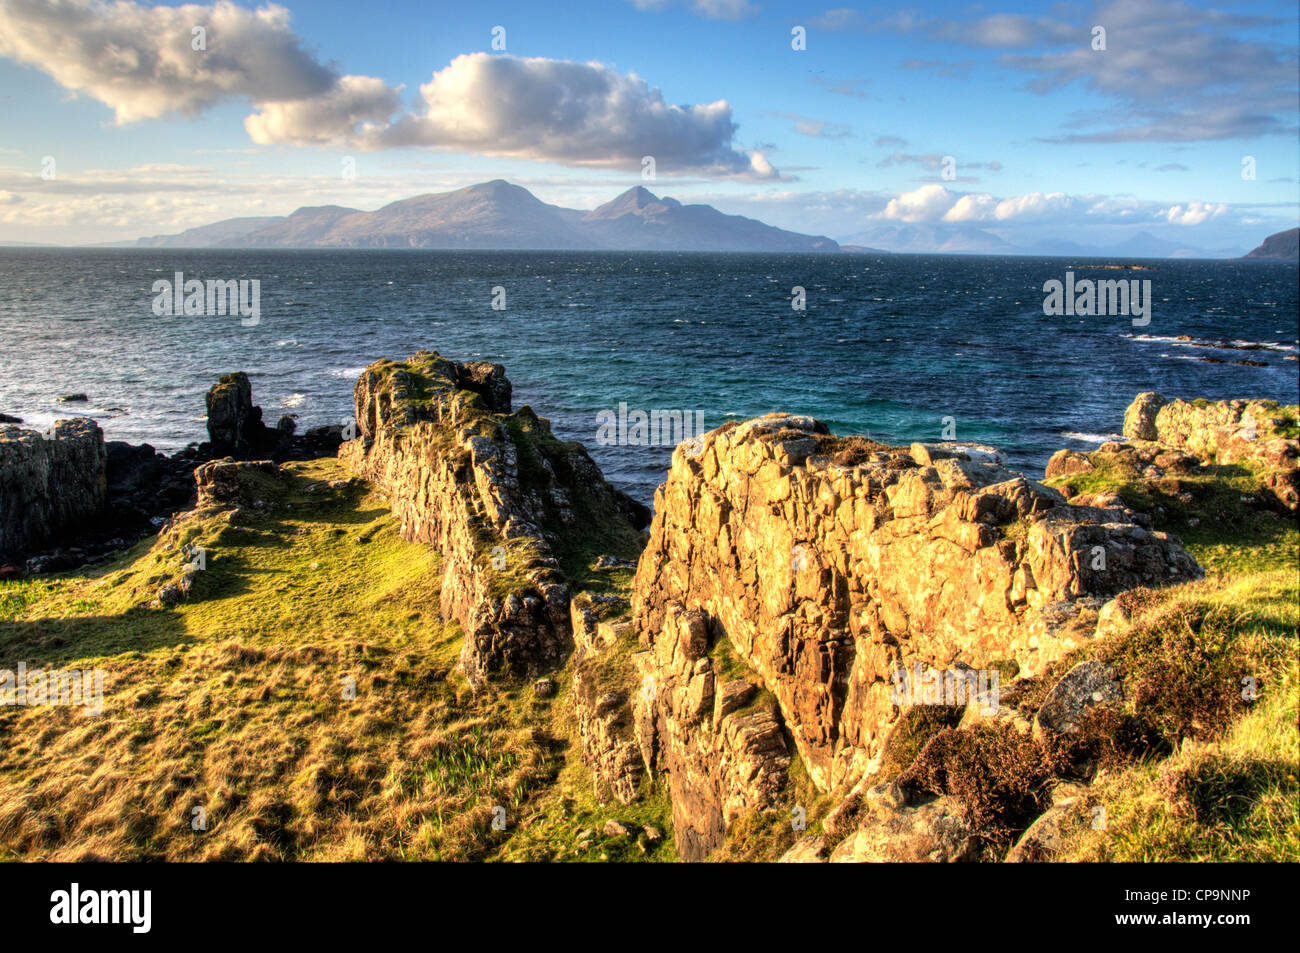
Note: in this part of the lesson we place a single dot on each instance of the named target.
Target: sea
(897, 347)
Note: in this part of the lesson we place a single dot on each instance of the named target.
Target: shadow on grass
(57, 641)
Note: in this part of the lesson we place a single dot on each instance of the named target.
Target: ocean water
(888, 345)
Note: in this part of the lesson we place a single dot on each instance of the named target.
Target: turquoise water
(889, 345)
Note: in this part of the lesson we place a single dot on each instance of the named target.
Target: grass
(1226, 795)
(304, 698)
(1219, 512)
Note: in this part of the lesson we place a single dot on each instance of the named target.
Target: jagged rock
(1088, 683)
(73, 399)
(7, 419)
(717, 767)
(234, 424)
(484, 486)
(1140, 417)
(605, 717)
(229, 483)
(543, 688)
(825, 578)
(1252, 432)
(49, 487)
(1067, 463)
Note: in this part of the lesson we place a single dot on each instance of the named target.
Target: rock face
(49, 486)
(1259, 434)
(236, 428)
(602, 700)
(716, 738)
(824, 566)
(494, 492)
(234, 423)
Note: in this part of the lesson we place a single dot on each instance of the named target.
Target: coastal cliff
(822, 649)
(496, 494)
(826, 566)
(49, 485)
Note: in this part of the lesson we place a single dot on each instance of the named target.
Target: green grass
(1204, 509)
(236, 701)
(1229, 795)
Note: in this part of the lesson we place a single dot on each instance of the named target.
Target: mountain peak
(632, 202)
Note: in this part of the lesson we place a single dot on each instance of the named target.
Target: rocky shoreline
(70, 498)
(740, 645)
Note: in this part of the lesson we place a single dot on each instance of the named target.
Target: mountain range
(499, 215)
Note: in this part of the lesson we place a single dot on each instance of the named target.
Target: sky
(1088, 121)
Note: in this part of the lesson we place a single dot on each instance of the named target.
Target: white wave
(1089, 437)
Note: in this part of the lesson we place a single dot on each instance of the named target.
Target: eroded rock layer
(49, 484)
(494, 492)
(825, 566)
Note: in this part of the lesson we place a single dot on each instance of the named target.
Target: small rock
(543, 688)
(616, 829)
(73, 399)
(653, 834)
(1088, 683)
(809, 849)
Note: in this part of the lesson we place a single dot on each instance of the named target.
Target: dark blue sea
(889, 345)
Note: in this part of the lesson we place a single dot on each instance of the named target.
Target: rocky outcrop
(236, 428)
(1168, 438)
(603, 683)
(234, 422)
(825, 566)
(49, 485)
(1222, 432)
(495, 493)
(716, 736)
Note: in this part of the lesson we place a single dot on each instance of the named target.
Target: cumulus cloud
(140, 61)
(556, 110)
(926, 204)
(1194, 213)
(935, 203)
(357, 106)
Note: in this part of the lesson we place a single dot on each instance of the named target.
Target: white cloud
(140, 62)
(560, 111)
(935, 203)
(1194, 213)
(356, 107)
(929, 203)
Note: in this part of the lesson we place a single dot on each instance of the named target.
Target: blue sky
(1048, 137)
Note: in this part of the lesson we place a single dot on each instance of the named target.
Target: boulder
(50, 486)
(1087, 684)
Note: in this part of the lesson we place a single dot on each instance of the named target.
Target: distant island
(1282, 246)
(499, 215)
